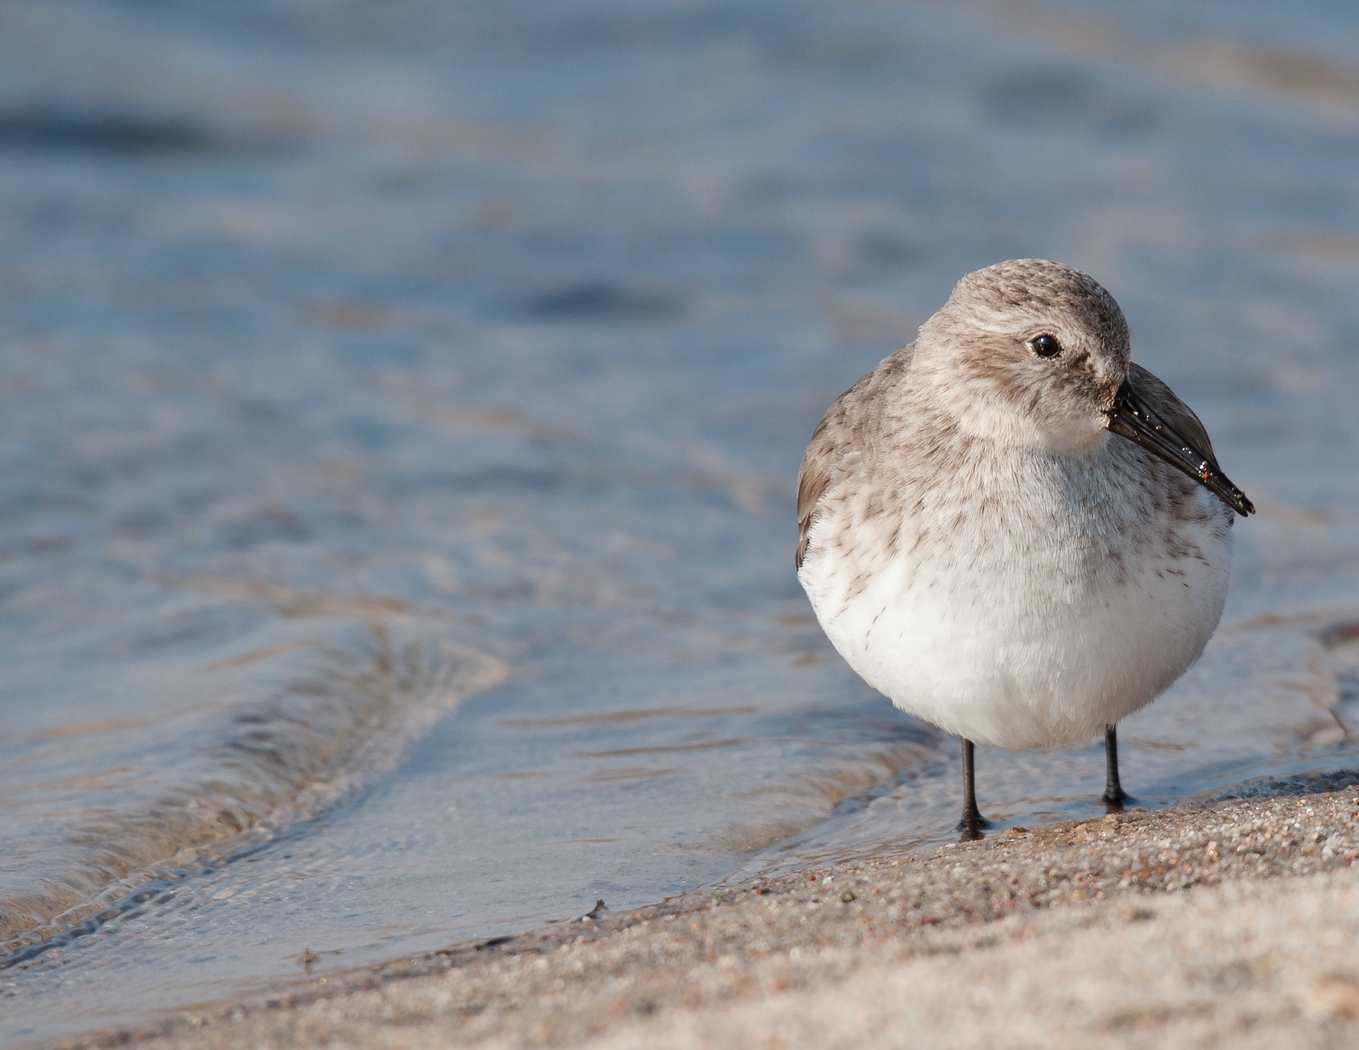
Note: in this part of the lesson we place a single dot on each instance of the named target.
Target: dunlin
(1009, 528)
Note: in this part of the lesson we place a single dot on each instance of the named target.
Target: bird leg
(973, 822)
(1113, 790)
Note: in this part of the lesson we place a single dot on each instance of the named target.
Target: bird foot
(972, 827)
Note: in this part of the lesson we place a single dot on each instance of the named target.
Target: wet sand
(1228, 922)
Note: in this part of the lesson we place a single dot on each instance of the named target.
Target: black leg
(1113, 790)
(973, 822)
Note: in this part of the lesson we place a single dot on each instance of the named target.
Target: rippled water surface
(401, 406)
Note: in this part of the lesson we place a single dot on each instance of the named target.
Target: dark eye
(1045, 345)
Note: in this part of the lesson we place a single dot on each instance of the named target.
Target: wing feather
(822, 467)
(835, 452)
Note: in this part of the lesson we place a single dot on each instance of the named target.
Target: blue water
(402, 404)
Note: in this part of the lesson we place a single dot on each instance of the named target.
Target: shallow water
(402, 405)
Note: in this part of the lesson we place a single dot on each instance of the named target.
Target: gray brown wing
(823, 465)
(1171, 408)
(834, 453)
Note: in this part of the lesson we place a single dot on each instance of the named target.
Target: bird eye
(1045, 345)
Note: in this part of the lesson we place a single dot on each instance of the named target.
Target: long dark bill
(1133, 418)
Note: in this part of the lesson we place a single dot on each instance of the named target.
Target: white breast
(1030, 617)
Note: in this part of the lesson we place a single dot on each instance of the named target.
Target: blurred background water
(400, 407)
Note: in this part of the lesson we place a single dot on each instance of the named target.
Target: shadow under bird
(1010, 529)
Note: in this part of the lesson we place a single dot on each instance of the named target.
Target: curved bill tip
(1132, 417)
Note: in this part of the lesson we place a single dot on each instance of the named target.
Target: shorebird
(1010, 529)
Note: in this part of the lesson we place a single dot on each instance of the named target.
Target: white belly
(1035, 633)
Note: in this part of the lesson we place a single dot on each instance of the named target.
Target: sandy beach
(1233, 920)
